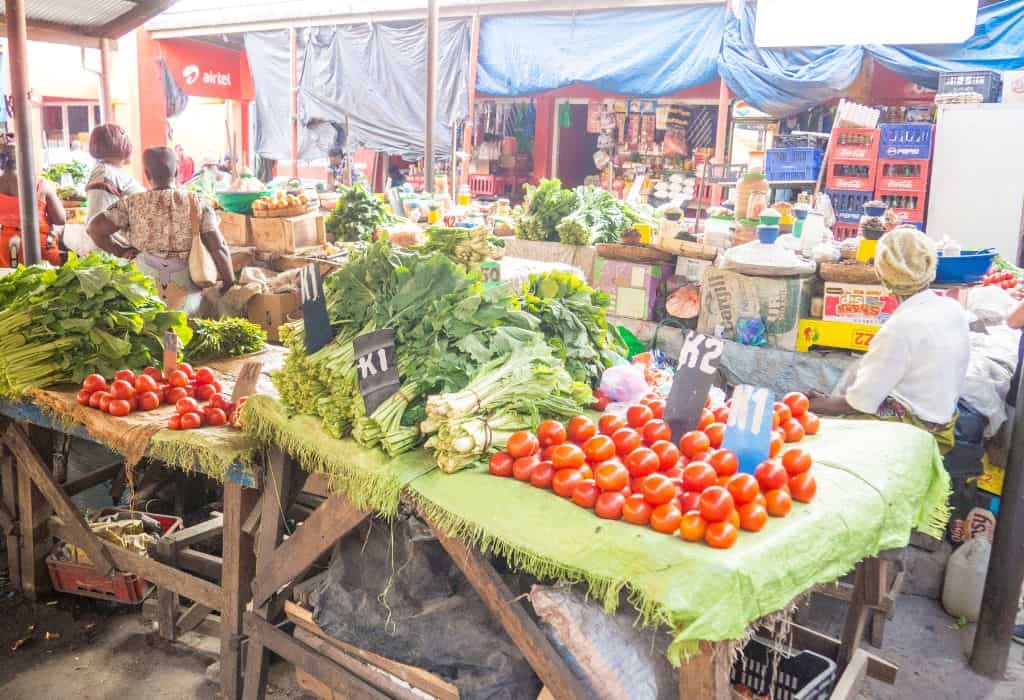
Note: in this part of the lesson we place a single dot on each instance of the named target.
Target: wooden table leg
(167, 599)
(33, 510)
(869, 588)
(706, 674)
(236, 578)
(9, 496)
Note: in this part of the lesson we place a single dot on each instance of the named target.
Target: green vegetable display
(94, 314)
(226, 337)
(598, 217)
(356, 215)
(466, 246)
(78, 171)
(547, 205)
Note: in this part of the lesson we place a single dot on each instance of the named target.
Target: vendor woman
(915, 366)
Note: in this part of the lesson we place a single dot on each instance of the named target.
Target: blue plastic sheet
(640, 52)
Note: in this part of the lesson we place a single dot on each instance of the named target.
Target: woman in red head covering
(109, 181)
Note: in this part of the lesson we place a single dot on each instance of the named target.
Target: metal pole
(431, 111)
(1006, 565)
(294, 104)
(106, 96)
(18, 47)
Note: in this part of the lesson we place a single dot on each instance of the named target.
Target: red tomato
(174, 422)
(585, 493)
(707, 417)
(205, 392)
(125, 375)
(581, 429)
(797, 402)
(585, 471)
(782, 411)
(724, 462)
(205, 375)
(83, 396)
(803, 487)
(522, 468)
(545, 453)
(692, 526)
(221, 401)
(658, 489)
(637, 510)
(657, 407)
(778, 503)
(217, 387)
(775, 446)
(599, 449)
(215, 416)
(177, 378)
(550, 432)
(568, 456)
(94, 383)
(122, 389)
(666, 518)
(721, 415)
(96, 397)
(501, 464)
(810, 422)
(642, 461)
(675, 473)
(105, 400)
(148, 400)
(542, 475)
(175, 394)
(565, 481)
(655, 430)
(770, 475)
(721, 535)
(743, 488)
(793, 430)
(715, 504)
(698, 476)
(145, 383)
(119, 407)
(637, 416)
(601, 401)
(626, 440)
(191, 421)
(522, 444)
(796, 461)
(761, 500)
(186, 368)
(715, 433)
(186, 405)
(694, 442)
(609, 505)
(668, 454)
(155, 373)
(611, 476)
(690, 500)
(609, 423)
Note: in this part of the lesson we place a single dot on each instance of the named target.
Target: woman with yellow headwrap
(914, 369)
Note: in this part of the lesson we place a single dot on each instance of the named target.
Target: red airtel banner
(202, 70)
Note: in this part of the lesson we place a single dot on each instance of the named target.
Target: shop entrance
(575, 145)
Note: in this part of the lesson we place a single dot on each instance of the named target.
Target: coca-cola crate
(906, 141)
(907, 206)
(843, 174)
(843, 231)
(903, 175)
(848, 206)
(855, 145)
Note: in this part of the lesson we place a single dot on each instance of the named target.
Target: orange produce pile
(631, 468)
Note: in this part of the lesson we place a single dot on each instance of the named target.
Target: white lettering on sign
(368, 369)
(742, 398)
(309, 290)
(691, 356)
(191, 73)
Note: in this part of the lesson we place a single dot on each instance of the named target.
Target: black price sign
(698, 362)
(316, 324)
(376, 367)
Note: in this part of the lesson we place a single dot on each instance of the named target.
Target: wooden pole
(294, 104)
(431, 110)
(106, 96)
(17, 45)
(474, 54)
(1006, 565)
(721, 137)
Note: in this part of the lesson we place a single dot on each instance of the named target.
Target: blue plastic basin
(967, 268)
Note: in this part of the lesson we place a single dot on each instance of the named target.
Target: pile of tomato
(630, 468)
(182, 387)
(1001, 278)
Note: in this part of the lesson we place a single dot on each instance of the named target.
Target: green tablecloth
(876, 483)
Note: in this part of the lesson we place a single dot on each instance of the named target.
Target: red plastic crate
(854, 145)
(82, 579)
(486, 185)
(843, 174)
(907, 206)
(903, 175)
(843, 231)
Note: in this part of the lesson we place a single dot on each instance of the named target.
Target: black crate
(768, 670)
(987, 83)
(800, 141)
(724, 173)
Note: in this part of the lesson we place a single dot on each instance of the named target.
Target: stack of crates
(903, 166)
(850, 176)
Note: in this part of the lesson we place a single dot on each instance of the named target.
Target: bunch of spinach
(546, 205)
(597, 218)
(78, 171)
(225, 337)
(356, 215)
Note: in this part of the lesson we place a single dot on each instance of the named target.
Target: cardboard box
(236, 228)
(865, 304)
(780, 302)
(691, 269)
(1013, 86)
(274, 310)
(286, 234)
(633, 286)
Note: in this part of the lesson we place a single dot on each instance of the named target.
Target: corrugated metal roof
(94, 13)
(84, 21)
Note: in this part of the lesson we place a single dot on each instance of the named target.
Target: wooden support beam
(7, 520)
(167, 599)
(705, 675)
(32, 465)
(237, 573)
(207, 566)
(90, 479)
(192, 618)
(33, 541)
(200, 532)
(848, 686)
(857, 611)
(9, 496)
(332, 521)
(311, 659)
(197, 589)
(525, 633)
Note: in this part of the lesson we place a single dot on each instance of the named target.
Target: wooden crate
(289, 233)
(236, 228)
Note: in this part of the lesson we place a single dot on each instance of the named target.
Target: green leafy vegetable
(466, 246)
(598, 218)
(226, 337)
(547, 204)
(356, 215)
(78, 171)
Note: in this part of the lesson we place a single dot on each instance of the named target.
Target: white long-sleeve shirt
(919, 358)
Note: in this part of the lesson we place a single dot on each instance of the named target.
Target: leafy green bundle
(78, 171)
(597, 218)
(547, 205)
(356, 215)
(225, 337)
(466, 246)
(95, 314)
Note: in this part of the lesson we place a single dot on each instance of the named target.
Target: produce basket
(239, 202)
(852, 273)
(967, 268)
(287, 211)
(768, 670)
(643, 254)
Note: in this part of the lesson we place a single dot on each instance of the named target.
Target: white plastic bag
(624, 383)
(965, 578)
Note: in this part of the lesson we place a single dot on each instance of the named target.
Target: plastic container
(874, 208)
(792, 164)
(801, 676)
(965, 578)
(987, 83)
(855, 145)
(771, 216)
(907, 206)
(902, 175)
(967, 268)
(841, 231)
(906, 141)
(749, 184)
(82, 579)
(240, 202)
(848, 174)
(767, 233)
(849, 205)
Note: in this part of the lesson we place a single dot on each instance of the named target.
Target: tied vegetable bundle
(546, 205)
(226, 337)
(467, 246)
(357, 214)
(92, 315)
(598, 217)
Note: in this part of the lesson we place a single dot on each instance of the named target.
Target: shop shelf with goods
(848, 205)
(906, 141)
(910, 176)
(909, 208)
(843, 174)
(792, 164)
(854, 146)
(986, 83)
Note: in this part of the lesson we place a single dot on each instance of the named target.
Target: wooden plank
(9, 495)
(856, 618)
(7, 520)
(332, 521)
(520, 627)
(167, 598)
(32, 465)
(192, 618)
(307, 682)
(160, 574)
(33, 540)
(416, 677)
(90, 479)
(207, 566)
(201, 532)
(310, 659)
(236, 575)
(848, 686)
(302, 590)
(806, 638)
(876, 581)
(706, 674)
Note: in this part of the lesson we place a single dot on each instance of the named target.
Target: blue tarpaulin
(641, 52)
